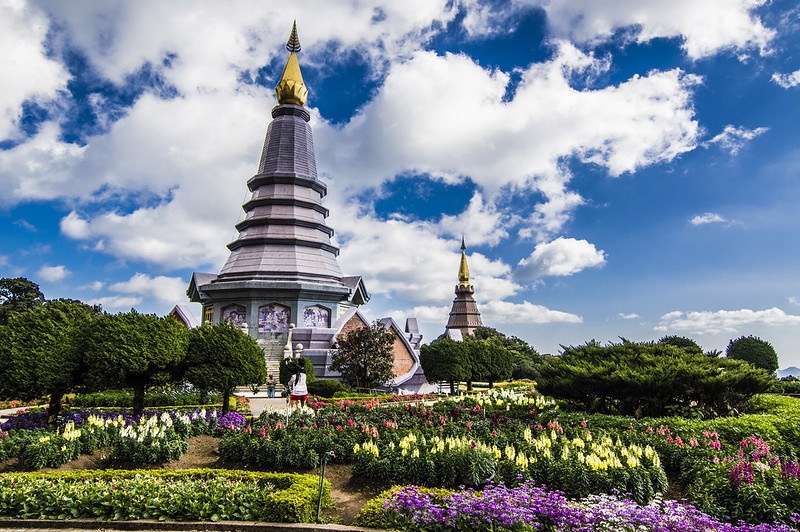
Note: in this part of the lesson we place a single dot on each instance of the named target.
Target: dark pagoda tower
(464, 315)
(282, 267)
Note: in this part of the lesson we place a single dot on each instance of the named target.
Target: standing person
(271, 383)
(299, 389)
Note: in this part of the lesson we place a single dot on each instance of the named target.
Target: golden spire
(463, 270)
(291, 88)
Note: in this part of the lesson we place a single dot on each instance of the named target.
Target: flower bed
(188, 495)
(146, 439)
(528, 507)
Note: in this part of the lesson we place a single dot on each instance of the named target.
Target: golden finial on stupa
(290, 88)
(463, 270)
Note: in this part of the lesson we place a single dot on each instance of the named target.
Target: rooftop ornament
(291, 89)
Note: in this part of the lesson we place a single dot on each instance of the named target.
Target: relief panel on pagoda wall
(235, 314)
(316, 316)
(273, 318)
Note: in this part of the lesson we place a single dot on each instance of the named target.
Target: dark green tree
(18, 295)
(488, 361)
(364, 358)
(133, 350)
(687, 344)
(445, 359)
(754, 350)
(221, 357)
(43, 353)
(649, 379)
(526, 358)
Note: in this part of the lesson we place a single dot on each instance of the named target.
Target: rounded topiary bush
(755, 351)
(326, 388)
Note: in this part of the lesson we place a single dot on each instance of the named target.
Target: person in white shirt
(299, 389)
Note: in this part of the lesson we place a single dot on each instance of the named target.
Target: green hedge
(124, 398)
(188, 495)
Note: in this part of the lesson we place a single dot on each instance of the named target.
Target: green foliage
(165, 495)
(43, 353)
(526, 358)
(687, 344)
(122, 398)
(646, 379)
(364, 358)
(221, 357)
(755, 351)
(488, 361)
(132, 350)
(444, 359)
(326, 388)
(16, 296)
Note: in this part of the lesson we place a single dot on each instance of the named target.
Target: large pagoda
(282, 267)
(464, 316)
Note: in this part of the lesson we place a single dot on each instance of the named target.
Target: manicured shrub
(184, 495)
(646, 379)
(326, 388)
(755, 351)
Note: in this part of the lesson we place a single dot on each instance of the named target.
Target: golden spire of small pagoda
(290, 88)
(463, 270)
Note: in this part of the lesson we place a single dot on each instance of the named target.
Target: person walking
(271, 383)
(299, 389)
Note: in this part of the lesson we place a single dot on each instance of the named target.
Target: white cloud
(731, 321)
(525, 312)
(787, 81)
(704, 28)
(561, 257)
(519, 144)
(28, 74)
(53, 274)
(480, 223)
(96, 286)
(631, 316)
(733, 138)
(116, 303)
(160, 288)
(3, 260)
(707, 218)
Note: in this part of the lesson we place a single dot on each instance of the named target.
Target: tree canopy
(488, 361)
(221, 357)
(133, 350)
(525, 358)
(444, 359)
(18, 295)
(364, 358)
(42, 352)
(755, 351)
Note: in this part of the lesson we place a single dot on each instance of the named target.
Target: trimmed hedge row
(188, 495)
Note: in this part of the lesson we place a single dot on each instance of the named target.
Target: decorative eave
(198, 279)
(358, 290)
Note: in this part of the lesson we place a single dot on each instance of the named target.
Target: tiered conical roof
(283, 236)
(464, 315)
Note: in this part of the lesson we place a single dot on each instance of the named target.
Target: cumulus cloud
(160, 288)
(730, 321)
(787, 81)
(95, 286)
(519, 144)
(28, 73)
(561, 257)
(53, 274)
(734, 138)
(707, 218)
(704, 28)
(525, 312)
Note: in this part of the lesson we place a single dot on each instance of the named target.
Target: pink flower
(469, 424)
(583, 424)
(262, 432)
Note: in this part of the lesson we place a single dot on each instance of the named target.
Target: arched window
(316, 316)
(235, 314)
(274, 318)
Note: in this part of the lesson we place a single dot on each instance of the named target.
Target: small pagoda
(464, 316)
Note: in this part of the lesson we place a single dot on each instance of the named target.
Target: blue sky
(618, 169)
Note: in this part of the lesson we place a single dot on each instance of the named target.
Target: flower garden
(507, 459)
